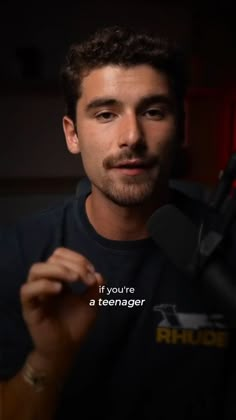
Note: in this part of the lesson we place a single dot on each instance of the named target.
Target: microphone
(198, 258)
(225, 183)
(176, 235)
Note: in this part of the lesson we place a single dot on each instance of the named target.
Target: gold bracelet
(37, 379)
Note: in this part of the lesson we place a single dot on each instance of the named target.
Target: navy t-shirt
(169, 356)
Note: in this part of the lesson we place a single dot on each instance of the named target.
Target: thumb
(93, 292)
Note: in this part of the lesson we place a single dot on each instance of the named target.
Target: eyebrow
(143, 102)
(101, 102)
(161, 99)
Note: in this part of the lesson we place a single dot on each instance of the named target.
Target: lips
(132, 164)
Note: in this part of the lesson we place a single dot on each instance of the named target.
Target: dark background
(34, 38)
(42, 32)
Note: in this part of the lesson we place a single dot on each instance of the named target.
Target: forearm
(23, 400)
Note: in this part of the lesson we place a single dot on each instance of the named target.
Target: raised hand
(58, 319)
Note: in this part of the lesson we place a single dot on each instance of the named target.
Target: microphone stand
(222, 211)
(206, 260)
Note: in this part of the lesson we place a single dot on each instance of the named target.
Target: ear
(71, 135)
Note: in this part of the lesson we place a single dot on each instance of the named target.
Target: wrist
(55, 362)
(41, 372)
(37, 379)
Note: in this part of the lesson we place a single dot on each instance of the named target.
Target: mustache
(112, 161)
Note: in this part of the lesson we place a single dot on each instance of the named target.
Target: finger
(60, 272)
(99, 278)
(93, 292)
(75, 262)
(31, 293)
(74, 257)
(82, 270)
(48, 270)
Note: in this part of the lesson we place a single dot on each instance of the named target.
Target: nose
(131, 132)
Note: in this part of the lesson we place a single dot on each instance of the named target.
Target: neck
(121, 223)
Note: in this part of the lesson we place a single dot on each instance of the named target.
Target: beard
(135, 190)
(129, 191)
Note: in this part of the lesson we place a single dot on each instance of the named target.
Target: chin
(131, 195)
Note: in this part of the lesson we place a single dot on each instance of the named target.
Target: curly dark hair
(124, 47)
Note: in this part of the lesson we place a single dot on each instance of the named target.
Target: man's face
(126, 127)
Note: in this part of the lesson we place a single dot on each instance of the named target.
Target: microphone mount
(220, 216)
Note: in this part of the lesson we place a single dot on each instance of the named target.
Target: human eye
(155, 113)
(105, 116)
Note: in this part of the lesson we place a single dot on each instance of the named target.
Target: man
(95, 320)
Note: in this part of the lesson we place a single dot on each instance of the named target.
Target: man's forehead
(112, 71)
(117, 81)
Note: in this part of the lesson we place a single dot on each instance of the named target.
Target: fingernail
(91, 268)
(90, 278)
(98, 276)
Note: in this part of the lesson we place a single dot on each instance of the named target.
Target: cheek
(92, 157)
(166, 142)
(169, 130)
(163, 137)
(95, 143)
